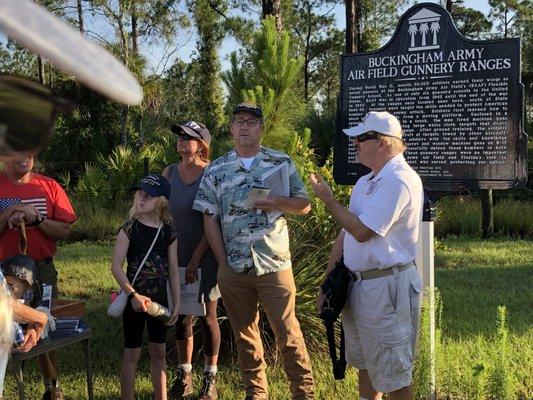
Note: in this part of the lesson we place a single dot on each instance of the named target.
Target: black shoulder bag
(335, 287)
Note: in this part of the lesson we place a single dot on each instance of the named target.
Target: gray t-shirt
(189, 225)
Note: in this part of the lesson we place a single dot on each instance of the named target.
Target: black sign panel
(460, 103)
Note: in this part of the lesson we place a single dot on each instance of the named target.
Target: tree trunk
(273, 7)
(80, 17)
(40, 65)
(134, 33)
(353, 16)
(449, 6)
(123, 122)
(487, 216)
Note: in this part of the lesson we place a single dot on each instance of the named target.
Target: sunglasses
(28, 112)
(183, 136)
(367, 136)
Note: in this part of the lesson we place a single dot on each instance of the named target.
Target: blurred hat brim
(43, 33)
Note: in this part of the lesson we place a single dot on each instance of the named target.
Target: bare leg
(158, 369)
(365, 387)
(48, 364)
(211, 333)
(405, 393)
(127, 373)
(185, 348)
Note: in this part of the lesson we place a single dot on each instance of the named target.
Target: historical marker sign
(459, 101)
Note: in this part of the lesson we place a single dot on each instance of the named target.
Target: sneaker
(182, 385)
(209, 388)
(56, 395)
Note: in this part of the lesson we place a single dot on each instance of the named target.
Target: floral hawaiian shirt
(256, 241)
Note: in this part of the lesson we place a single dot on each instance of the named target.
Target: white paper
(256, 194)
(190, 294)
(277, 180)
(46, 300)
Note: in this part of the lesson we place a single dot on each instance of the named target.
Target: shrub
(501, 379)
(96, 222)
(461, 215)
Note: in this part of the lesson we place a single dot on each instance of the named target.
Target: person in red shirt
(43, 205)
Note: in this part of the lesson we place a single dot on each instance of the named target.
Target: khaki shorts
(380, 323)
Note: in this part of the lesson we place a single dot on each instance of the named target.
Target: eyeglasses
(27, 115)
(366, 136)
(183, 136)
(14, 282)
(251, 123)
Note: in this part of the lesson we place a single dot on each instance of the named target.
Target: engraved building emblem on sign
(423, 29)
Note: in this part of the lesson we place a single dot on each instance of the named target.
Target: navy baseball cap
(193, 129)
(155, 185)
(248, 107)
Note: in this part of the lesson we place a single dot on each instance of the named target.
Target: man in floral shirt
(250, 240)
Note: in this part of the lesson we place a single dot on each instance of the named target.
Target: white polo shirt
(390, 204)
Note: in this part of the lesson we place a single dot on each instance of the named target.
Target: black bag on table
(335, 287)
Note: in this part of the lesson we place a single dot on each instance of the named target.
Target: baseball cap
(194, 129)
(377, 121)
(248, 107)
(155, 185)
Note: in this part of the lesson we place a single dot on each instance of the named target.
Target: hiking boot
(209, 387)
(53, 394)
(182, 386)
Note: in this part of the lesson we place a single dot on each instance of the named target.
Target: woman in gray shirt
(193, 252)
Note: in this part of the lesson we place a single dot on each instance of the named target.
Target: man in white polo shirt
(378, 243)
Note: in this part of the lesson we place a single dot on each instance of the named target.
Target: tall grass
(462, 216)
(474, 278)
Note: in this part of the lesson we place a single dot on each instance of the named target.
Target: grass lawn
(474, 277)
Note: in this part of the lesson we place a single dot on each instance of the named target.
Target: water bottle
(158, 311)
(19, 334)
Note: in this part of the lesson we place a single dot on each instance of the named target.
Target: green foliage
(123, 168)
(424, 367)
(322, 126)
(97, 221)
(84, 273)
(378, 19)
(462, 215)
(471, 23)
(236, 81)
(210, 35)
(93, 185)
(15, 60)
(275, 86)
(316, 38)
(500, 382)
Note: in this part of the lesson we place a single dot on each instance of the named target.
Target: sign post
(460, 103)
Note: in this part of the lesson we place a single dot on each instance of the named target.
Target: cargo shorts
(380, 323)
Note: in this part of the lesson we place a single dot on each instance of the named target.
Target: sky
(187, 41)
(229, 44)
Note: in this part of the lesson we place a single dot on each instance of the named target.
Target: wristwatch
(130, 296)
(38, 219)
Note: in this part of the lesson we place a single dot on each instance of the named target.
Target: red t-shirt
(49, 198)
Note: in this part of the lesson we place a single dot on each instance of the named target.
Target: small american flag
(38, 202)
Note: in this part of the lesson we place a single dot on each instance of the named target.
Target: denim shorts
(380, 323)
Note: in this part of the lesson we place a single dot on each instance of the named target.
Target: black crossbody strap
(339, 365)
